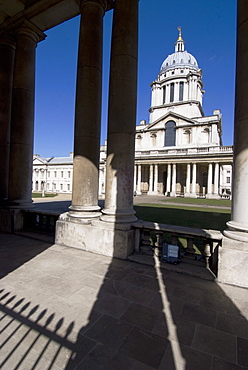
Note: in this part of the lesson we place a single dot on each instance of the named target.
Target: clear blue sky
(209, 31)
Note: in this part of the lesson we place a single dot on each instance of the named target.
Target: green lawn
(203, 218)
(210, 202)
(39, 195)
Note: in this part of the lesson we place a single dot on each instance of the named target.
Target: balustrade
(197, 246)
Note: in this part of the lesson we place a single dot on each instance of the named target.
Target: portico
(110, 231)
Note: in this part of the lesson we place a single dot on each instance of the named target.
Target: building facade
(178, 153)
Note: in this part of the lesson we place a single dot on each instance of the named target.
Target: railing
(196, 245)
(41, 222)
(184, 151)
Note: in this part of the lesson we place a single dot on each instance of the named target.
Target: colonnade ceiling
(44, 14)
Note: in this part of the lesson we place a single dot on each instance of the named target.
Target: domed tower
(178, 87)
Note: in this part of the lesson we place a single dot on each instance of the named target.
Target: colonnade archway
(186, 179)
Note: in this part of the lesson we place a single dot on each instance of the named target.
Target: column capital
(29, 30)
(105, 4)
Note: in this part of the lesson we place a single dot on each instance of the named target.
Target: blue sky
(208, 28)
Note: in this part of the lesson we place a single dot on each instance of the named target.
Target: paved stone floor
(61, 308)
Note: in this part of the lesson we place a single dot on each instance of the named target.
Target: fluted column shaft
(188, 179)
(151, 179)
(155, 190)
(122, 113)
(194, 179)
(139, 180)
(174, 179)
(216, 178)
(168, 184)
(210, 177)
(22, 119)
(7, 52)
(88, 111)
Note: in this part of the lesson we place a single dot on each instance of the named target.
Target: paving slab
(63, 308)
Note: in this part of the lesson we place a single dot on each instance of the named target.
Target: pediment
(159, 124)
(39, 161)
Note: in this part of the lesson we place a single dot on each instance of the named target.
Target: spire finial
(179, 45)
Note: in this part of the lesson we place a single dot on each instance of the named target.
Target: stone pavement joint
(63, 308)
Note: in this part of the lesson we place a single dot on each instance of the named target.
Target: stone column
(122, 114)
(155, 190)
(174, 180)
(22, 118)
(139, 180)
(151, 180)
(187, 193)
(135, 179)
(216, 180)
(210, 177)
(88, 111)
(168, 184)
(7, 52)
(193, 192)
(233, 255)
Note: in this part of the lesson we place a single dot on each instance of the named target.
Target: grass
(202, 218)
(39, 195)
(210, 202)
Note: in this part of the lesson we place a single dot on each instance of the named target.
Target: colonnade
(212, 186)
(17, 70)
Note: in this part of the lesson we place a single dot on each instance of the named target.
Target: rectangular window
(172, 92)
(181, 84)
(48, 173)
(164, 96)
(61, 186)
(228, 180)
(55, 173)
(69, 174)
(48, 186)
(68, 187)
(62, 173)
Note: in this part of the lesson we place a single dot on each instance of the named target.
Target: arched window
(170, 134)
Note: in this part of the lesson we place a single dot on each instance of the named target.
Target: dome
(179, 59)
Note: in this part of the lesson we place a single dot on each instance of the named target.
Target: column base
(118, 217)
(233, 259)
(212, 196)
(96, 236)
(85, 212)
(190, 195)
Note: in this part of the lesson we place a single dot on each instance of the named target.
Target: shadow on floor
(69, 309)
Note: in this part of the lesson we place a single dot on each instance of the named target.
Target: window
(68, 187)
(62, 173)
(48, 173)
(55, 173)
(69, 174)
(170, 133)
(181, 84)
(228, 179)
(61, 186)
(48, 186)
(172, 86)
(164, 92)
